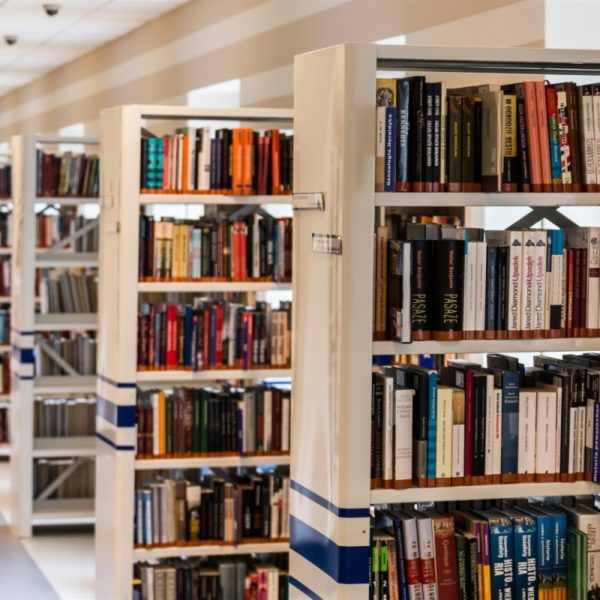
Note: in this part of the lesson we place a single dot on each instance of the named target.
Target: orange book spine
(275, 163)
(247, 141)
(540, 92)
(237, 163)
(533, 138)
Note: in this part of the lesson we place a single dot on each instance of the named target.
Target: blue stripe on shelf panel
(303, 588)
(344, 564)
(120, 416)
(116, 383)
(112, 444)
(26, 356)
(346, 513)
(22, 332)
(23, 377)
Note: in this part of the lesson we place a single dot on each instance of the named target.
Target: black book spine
(448, 258)
(213, 164)
(468, 144)
(142, 247)
(522, 146)
(377, 430)
(454, 143)
(403, 96)
(437, 136)
(502, 288)
(428, 171)
(420, 298)
(144, 158)
(478, 140)
(394, 288)
(417, 134)
(491, 298)
(479, 401)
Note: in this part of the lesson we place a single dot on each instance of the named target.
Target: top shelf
(56, 139)
(212, 199)
(67, 200)
(216, 114)
(459, 199)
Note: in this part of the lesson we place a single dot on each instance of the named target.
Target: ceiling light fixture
(11, 40)
(52, 9)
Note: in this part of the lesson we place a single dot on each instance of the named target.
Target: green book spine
(461, 566)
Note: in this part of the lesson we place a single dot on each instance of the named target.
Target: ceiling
(81, 25)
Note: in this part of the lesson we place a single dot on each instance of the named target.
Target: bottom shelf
(5, 450)
(484, 492)
(211, 550)
(70, 511)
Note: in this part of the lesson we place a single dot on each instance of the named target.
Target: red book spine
(577, 293)
(445, 558)
(533, 138)
(219, 335)
(206, 339)
(570, 266)
(151, 346)
(275, 162)
(542, 115)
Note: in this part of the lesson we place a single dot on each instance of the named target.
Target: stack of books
(69, 175)
(237, 161)
(77, 349)
(525, 137)
(64, 417)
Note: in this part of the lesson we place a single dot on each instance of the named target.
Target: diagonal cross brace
(538, 213)
(50, 489)
(75, 235)
(56, 357)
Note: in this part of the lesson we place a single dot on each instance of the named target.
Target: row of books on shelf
(256, 247)
(68, 174)
(4, 425)
(5, 218)
(76, 349)
(80, 483)
(236, 161)
(444, 282)
(205, 508)
(51, 228)
(5, 181)
(68, 292)
(212, 334)
(526, 137)
(197, 421)
(499, 550)
(469, 425)
(225, 579)
(5, 275)
(64, 417)
(4, 326)
(5, 373)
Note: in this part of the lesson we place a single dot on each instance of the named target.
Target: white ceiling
(81, 25)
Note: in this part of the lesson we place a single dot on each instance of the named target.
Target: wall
(205, 42)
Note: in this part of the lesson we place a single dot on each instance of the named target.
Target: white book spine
(559, 402)
(588, 139)
(527, 282)
(527, 433)
(405, 325)
(480, 279)
(489, 426)
(593, 280)
(596, 110)
(515, 240)
(403, 435)
(469, 281)
(427, 553)
(443, 459)
(411, 553)
(539, 287)
(563, 136)
(581, 433)
(458, 450)
(388, 429)
(497, 429)
(545, 432)
(573, 434)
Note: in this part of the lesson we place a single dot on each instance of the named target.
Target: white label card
(326, 243)
(308, 201)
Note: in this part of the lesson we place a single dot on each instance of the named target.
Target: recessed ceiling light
(52, 9)
(11, 40)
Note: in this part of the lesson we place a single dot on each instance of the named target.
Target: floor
(49, 566)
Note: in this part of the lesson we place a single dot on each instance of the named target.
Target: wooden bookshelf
(26, 321)
(331, 495)
(119, 377)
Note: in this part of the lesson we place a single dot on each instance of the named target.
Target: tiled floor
(51, 565)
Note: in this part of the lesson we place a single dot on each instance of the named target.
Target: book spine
(411, 553)
(445, 559)
(438, 100)
(592, 296)
(533, 136)
(427, 558)
(389, 175)
(480, 291)
(527, 436)
(402, 153)
(497, 436)
(461, 566)
(403, 419)
(523, 144)
(542, 117)
(527, 283)
(388, 432)
(417, 134)
(449, 257)
(564, 135)
(491, 300)
(539, 284)
(454, 144)
(510, 171)
(574, 127)
(545, 436)
(380, 129)
(515, 243)
(501, 559)
(596, 443)
(420, 305)
(554, 138)
(428, 145)
(524, 560)
(432, 417)
(381, 280)
(468, 145)
(510, 426)
(469, 293)
(443, 457)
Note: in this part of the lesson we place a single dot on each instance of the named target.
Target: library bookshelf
(119, 379)
(5, 302)
(27, 322)
(334, 99)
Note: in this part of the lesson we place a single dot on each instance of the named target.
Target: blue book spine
(389, 174)
(139, 517)
(525, 560)
(596, 444)
(555, 166)
(400, 560)
(158, 163)
(560, 549)
(147, 515)
(431, 425)
(545, 552)
(501, 559)
(510, 422)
